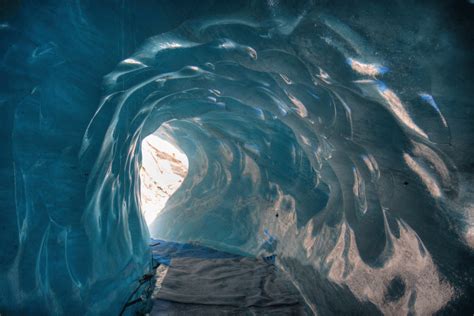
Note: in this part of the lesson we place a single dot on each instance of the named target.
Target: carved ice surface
(336, 137)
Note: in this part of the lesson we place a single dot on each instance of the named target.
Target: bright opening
(164, 167)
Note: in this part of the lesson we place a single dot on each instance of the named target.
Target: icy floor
(195, 280)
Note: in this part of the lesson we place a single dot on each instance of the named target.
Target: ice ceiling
(336, 136)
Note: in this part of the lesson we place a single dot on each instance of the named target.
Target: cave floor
(196, 280)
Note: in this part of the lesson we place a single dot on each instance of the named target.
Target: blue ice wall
(336, 136)
(66, 247)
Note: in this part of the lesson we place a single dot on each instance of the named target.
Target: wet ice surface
(304, 143)
(337, 136)
(201, 281)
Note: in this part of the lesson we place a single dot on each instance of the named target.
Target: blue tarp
(163, 251)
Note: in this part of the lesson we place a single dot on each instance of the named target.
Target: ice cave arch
(309, 134)
(162, 171)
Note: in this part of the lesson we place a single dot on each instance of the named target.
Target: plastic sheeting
(204, 281)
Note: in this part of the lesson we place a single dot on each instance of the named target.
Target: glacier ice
(337, 137)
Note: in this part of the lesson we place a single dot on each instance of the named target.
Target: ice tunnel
(273, 157)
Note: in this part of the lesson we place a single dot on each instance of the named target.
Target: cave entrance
(164, 167)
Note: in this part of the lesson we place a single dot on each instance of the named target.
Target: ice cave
(243, 157)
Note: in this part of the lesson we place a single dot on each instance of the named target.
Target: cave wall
(360, 142)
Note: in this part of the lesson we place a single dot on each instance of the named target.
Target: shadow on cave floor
(195, 280)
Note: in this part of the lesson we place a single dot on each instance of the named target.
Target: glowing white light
(300, 108)
(366, 68)
(132, 61)
(163, 170)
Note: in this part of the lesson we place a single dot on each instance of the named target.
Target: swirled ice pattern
(337, 138)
